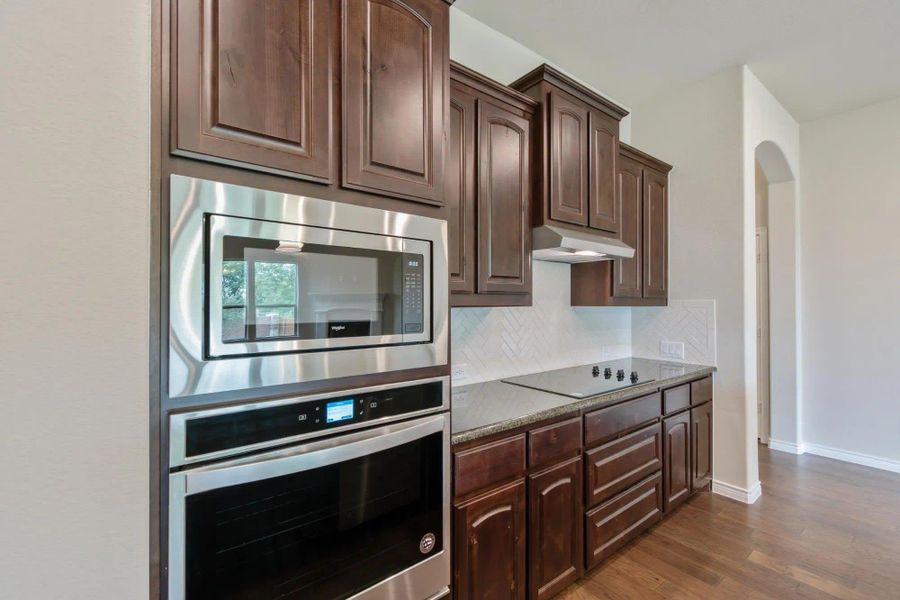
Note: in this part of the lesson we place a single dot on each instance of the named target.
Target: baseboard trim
(866, 460)
(789, 447)
(737, 493)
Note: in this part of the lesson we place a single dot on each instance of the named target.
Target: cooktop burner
(592, 380)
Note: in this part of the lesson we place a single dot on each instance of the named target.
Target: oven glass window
(329, 532)
(275, 290)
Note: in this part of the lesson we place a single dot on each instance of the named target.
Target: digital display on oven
(339, 410)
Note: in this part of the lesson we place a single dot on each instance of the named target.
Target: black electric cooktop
(599, 378)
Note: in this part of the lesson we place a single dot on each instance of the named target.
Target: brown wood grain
(701, 446)
(603, 150)
(617, 465)
(606, 423)
(676, 460)
(459, 190)
(488, 464)
(701, 391)
(555, 442)
(676, 399)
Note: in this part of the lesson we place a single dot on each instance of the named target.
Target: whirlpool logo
(338, 327)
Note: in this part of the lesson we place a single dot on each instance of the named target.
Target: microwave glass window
(275, 290)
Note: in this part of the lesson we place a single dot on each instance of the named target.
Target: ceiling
(818, 57)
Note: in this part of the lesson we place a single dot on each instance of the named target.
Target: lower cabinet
(613, 524)
(555, 547)
(489, 545)
(676, 460)
(701, 446)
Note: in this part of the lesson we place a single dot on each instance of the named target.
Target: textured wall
(500, 342)
(690, 321)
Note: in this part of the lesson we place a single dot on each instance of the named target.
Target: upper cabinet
(253, 84)
(488, 192)
(642, 205)
(575, 182)
(352, 93)
(394, 92)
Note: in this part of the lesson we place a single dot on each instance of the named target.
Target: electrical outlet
(459, 372)
(672, 350)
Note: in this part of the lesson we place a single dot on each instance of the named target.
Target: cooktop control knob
(595, 371)
(634, 377)
(607, 372)
(620, 374)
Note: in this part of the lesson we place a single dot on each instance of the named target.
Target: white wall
(698, 129)
(851, 284)
(499, 342)
(74, 235)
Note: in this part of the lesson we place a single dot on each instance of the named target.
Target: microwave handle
(309, 456)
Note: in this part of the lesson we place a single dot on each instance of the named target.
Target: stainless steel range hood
(559, 244)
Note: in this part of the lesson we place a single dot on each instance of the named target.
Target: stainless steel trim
(190, 373)
(561, 244)
(220, 226)
(425, 579)
(178, 421)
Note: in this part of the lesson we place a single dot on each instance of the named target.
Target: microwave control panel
(413, 293)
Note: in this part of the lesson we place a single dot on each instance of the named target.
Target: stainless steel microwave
(268, 289)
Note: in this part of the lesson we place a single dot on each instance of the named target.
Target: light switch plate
(459, 372)
(673, 350)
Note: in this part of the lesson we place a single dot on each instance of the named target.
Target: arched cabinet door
(395, 91)
(504, 200)
(568, 139)
(253, 84)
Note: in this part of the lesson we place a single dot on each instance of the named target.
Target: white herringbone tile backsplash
(502, 342)
(690, 321)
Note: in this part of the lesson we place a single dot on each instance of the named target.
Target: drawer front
(618, 465)
(607, 423)
(612, 525)
(676, 399)
(481, 466)
(701, 391)
(555, 442)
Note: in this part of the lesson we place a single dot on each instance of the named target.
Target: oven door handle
(312, 455)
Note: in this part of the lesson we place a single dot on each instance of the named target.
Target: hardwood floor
(822, 529)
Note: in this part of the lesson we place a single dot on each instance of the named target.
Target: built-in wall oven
(342, 495)
(268, 288)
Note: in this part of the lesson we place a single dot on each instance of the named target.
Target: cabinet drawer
(491, 463)
(677, 398)
(607, 423)
(612, 525)
(555, 442)
(617, 465)
(701, 391)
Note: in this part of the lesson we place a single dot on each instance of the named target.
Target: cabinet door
(459, 191)
(568, 131)
(628, 272)
(676, 460)
(490, 545)
(395, 74)
(555, 529)
(656, 259)
(701, 446)
(604, 158)
(504, 200)
(253, 84)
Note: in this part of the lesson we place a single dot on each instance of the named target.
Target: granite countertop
(483, 409)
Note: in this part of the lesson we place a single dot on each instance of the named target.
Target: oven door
(281, 287)
(364, 515)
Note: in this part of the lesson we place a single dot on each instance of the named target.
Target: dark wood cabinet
(575, 179)
(701, 446)
(555, 529)
(253, 84)
(489, 545)
(617, 465)
(642, 197)
(488, 192)
(676, 460)
(394, 88)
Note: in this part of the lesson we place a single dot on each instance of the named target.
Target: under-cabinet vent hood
(559, 244)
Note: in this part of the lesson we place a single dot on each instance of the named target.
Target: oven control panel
(413, 293)
(232, 429)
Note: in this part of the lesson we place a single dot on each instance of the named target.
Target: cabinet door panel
(504, 200)
(568, 131)
(628, 272)
(459, 191)
(490, 545)
(656, 240)
(701, 446)
(254, 83)
(676, 460)
(604, 158)
(394, 86)
(555, 529)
